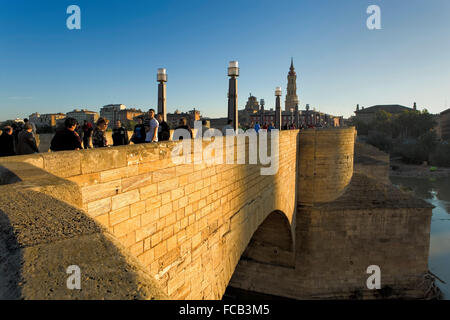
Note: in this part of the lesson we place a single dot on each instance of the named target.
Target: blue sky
(45, 67)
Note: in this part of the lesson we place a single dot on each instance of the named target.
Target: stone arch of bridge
(272, 242)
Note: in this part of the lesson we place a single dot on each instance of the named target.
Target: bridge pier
(344, 223)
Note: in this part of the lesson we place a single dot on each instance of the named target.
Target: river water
(437, 192)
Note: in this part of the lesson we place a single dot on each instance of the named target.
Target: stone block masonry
(189, 224)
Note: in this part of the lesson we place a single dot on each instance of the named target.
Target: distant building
(368, 114)
(83, 115)
(19, 121)
(445, 124)
(51, 120)
(218, 123)
(111, 112)
(306, 118)
(127, 115)
(255, 112)
(252, 105)
(173, 119)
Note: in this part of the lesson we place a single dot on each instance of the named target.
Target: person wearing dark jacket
(183, 125)
(120, 135)
(163, 129)
(68, 138)
(26, 142)
(139, 132)
(17, 128)
(7, 142)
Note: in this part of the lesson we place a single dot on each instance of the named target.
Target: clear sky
(46, 67)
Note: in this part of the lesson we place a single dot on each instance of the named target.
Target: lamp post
(278, 108)
(233, 73)
(307, 120)
(261, 120)
(296, 116)
(292, 115)
(161, 77)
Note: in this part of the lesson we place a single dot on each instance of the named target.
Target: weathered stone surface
(41, 236)
(97, 160)
(62, 164)
(189, 225)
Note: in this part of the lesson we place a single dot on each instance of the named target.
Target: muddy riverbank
(400, 169)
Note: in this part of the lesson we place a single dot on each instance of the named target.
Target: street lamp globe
(161, 76)
(278, 91)
(233, 69)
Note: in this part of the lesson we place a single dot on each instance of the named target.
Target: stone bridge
(140, 226)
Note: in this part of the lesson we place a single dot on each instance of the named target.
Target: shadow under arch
(271, 244)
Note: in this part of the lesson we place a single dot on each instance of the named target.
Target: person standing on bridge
(87, 134)
(67, 138)
(200, 134)
(139, 132)
(183, 124)
(151, 125)
(27, 142)
(163, 129)
(99, 135)
(7, 142)
(120, 135)
(257, 127)
(228, 129)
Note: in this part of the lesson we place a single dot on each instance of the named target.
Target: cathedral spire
(292, 69)
(291, 92)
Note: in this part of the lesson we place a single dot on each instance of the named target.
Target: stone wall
(307, 231)
(43, 232)
(187, 224)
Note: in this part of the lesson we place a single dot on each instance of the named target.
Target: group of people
(18, 139)
(269, 127)
(21, 139)
(149, 128)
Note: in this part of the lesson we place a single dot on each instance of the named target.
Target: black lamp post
(296, 116)
(233, 73)
(162, 79)
(261, 120)
(278, 108)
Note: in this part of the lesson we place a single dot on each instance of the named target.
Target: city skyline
(114, 57)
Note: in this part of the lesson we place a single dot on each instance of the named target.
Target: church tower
(291, 92)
